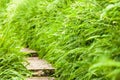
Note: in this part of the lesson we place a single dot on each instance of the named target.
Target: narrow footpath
(41, 69)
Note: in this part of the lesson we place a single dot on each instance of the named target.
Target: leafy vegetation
(11, 67)
(79, 37)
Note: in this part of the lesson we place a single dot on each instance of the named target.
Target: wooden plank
(39, 67)
(41, 78)
(27, 50)
(31, 53)
(34, 63)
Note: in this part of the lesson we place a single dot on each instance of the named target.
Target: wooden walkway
(41, 69)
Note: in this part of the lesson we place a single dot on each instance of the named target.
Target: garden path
(41, 69)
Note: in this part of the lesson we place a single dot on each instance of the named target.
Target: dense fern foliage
(79, 37)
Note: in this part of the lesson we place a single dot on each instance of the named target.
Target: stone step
(41, 78)
(39, 67)
(31, 53)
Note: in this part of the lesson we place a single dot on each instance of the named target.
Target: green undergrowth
(11, 67)
(79, 37)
